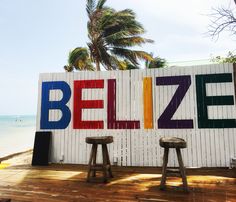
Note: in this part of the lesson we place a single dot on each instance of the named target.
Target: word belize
(165, 120)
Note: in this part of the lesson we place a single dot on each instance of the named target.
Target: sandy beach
(21, 158)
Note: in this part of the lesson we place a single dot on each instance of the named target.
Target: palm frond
(127, 41)
(79, 52)
(132, 55)
(143, 55)
(112, 22)
(100, 4)
(126, 65)
(125, 54)
(106, 60)
(117, 64)
(79, 59)
(90, 7)
(68, 68)
(99, 53)
(125, 27)
(157, 62)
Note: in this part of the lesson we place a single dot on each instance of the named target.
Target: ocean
(16, 134)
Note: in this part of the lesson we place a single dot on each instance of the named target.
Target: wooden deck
(57, 183)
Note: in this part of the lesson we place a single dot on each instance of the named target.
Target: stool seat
(99, 140)
(172, 142)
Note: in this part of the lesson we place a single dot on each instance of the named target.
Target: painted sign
(164, 121)
(169, 101)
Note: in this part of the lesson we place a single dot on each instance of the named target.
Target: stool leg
(108, 162)
(164, 169)
(104, 163)
(90, 162)
(182, 169)
(94, 159)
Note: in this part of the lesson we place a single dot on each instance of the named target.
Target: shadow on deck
(57, 183)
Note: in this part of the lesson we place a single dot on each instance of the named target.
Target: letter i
(147, 103)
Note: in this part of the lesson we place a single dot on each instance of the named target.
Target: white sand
(23, 158)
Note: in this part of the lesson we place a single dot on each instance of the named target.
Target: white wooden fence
(206, 147)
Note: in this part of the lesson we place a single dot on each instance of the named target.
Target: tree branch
(222, 20)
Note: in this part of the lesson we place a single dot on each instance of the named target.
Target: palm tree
(112, 33)
(126, 65)
(157, 62)
(79, 59)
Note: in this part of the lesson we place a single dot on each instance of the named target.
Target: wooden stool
(93, 166)
(177, 143)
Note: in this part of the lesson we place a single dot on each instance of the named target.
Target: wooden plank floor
(57, 183)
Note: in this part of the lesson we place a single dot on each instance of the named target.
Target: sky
(36, 36)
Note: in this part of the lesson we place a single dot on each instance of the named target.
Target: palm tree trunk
(98, 65)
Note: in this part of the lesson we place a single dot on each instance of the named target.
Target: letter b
(47, 105)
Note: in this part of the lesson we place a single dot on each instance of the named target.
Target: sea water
(16, 134)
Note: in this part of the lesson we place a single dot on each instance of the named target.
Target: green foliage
(68, 68)
(112, 33)
(79, 59)
(157, 62)
(126, 65)
(100, 4)
(90, 6)
(112, 37)
(230, 58)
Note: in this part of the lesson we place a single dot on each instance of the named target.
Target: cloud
(179, 27)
